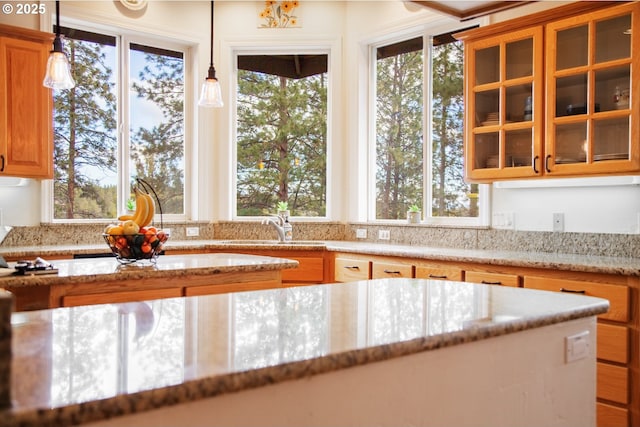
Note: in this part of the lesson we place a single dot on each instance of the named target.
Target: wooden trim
(473, 12)
(533, 19)
(25, 34)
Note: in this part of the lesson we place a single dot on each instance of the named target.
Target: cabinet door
(593, 104)
(26, 124)
(117, 297)
(504, 97)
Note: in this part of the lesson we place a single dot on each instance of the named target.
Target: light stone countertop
(83, 364)
(572, 262)
(88, 270)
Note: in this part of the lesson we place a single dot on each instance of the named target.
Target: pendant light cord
(211, 62)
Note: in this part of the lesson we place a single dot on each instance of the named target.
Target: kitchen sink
(273, 242)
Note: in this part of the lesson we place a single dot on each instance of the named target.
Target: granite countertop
(69, 366)
(88, 270)
(572, 262)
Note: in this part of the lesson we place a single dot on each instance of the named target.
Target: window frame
(286, 47)
(124, 38)
(484, 193)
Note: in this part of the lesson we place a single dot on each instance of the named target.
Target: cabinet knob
(435, 276)
(546, 163)
(534, 163)
(1, 162)
(487, 282)
(392, 271)
(571, 291)
(352, 267)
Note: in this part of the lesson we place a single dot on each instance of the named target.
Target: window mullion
(123, 123)
(427, 134)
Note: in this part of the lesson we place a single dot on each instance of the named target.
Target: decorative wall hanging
(279, 14)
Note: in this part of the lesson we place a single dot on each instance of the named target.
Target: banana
(125, 217)
(151, 210)
(142, 208)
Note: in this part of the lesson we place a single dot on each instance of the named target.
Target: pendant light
(211, 95)
(58, 74)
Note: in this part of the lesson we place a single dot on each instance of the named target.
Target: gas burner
(37, 266)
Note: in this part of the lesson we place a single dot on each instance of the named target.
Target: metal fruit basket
(133, 238)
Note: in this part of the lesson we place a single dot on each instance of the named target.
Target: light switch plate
(384, 234)
(361, 233)
(192, 231)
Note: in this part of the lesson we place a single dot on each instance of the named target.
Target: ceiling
(465, 10)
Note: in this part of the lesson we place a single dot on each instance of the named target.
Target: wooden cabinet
(547, 96)
(615, 360)
(26, 106)
(504, 80)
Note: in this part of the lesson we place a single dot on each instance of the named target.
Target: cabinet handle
(487, 282)
(571, 291)
(535, 160)
(392, 271)
(435, 276)
(352, 267)
(546, 163)
(1, 162)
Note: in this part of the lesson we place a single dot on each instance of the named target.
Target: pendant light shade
(58, 73)
(211, 94)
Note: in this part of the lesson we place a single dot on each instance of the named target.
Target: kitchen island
(101, 280)
(383, 352)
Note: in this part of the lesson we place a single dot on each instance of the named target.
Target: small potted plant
(283, 209)
(414, 215)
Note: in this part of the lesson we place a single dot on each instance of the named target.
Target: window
(137, 88)
(281, 135)
(418, 150)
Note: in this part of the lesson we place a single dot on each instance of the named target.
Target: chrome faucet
(278, 226)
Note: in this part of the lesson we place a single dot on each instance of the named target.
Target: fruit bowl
(129, 248)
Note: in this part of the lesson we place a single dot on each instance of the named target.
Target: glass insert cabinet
(554, 99)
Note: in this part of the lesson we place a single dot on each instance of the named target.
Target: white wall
(348, 26)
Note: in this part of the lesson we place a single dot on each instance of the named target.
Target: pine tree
(85, 135)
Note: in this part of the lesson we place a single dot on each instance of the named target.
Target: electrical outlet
(558, 222)
(361, 233)
(384, 234)
(577, 346)
(193, 231)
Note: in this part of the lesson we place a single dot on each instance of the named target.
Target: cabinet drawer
(230, 287)
(613, 383)
(310, 269)
(492, 278)
(347, 269)
(611, 416)
(613, 343)
(617, 295)
(438, 272)
(117, 297)
(391, 270)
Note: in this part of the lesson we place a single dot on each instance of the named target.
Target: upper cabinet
(555, 98)
(26, 107)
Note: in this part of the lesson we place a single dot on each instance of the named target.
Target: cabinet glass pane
(571, 143)
(488, 65)
(611, 139)
(613, 38)
(487, 108)
(519, 103)
(572, 47)
(612, 88)
(487, 149)
(519, 58)
(518, 147)
(571, 95)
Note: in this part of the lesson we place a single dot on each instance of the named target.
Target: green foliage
(85, 136)
(281, 127)
(414, 208)
(399, 146)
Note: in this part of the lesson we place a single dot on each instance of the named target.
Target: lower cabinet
(618, 330)
(119, 297)
(616, 393)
